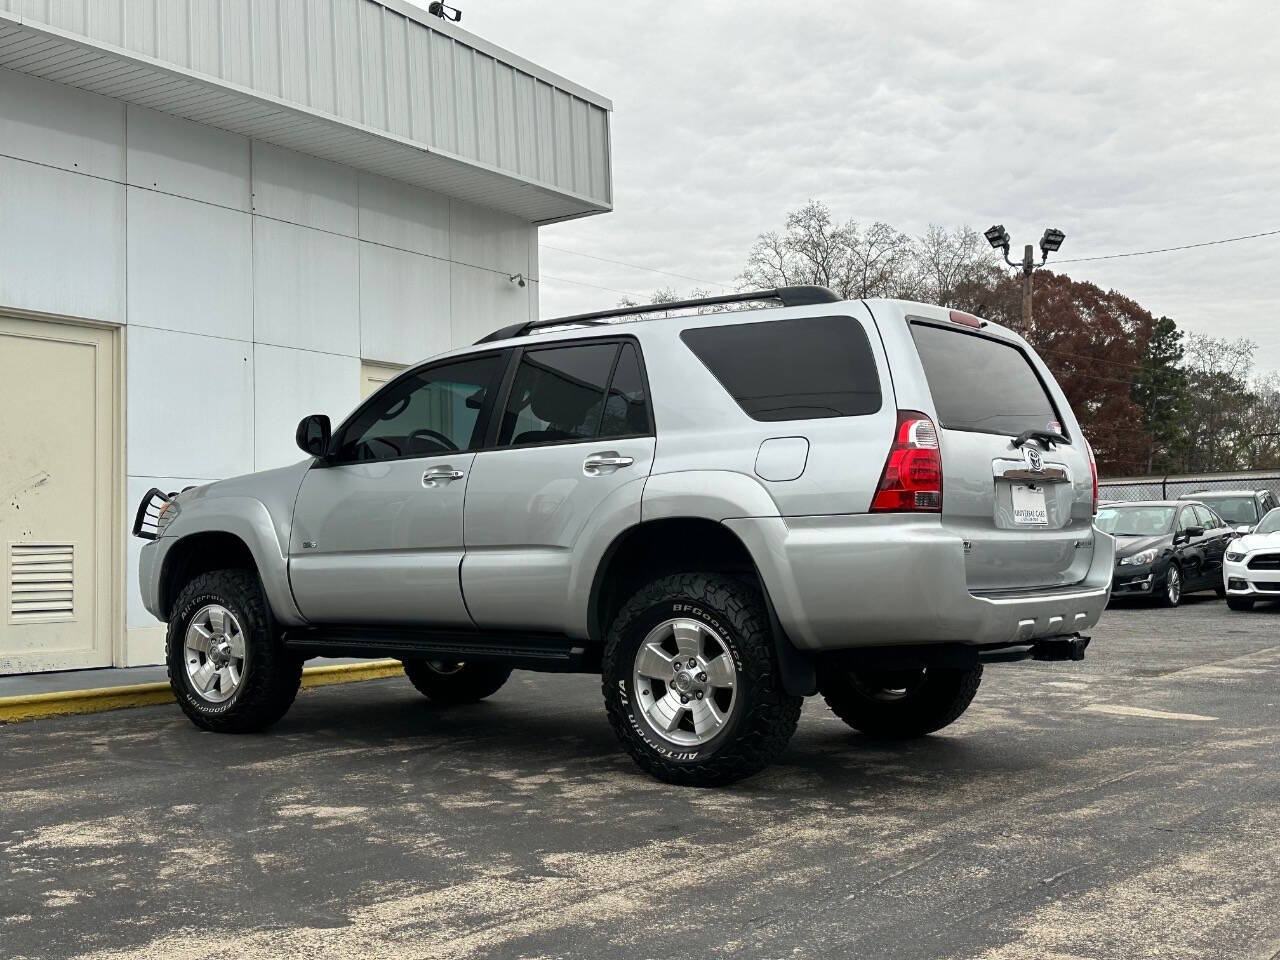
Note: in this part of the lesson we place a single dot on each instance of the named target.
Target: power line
(1186, 246)
(594, 286)
(636, 266)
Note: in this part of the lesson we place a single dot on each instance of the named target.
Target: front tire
(449, 682)
(899, 704)
(1171, 595)
(227, 667)
(691, 684)
(1239, 603)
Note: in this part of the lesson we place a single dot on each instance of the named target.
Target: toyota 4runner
(719, 512)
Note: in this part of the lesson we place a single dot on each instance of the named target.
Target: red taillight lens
(1093, 468)
(912, 477)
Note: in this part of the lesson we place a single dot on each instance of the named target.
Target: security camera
(444, 11)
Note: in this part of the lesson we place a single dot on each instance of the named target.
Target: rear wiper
(1045, 436)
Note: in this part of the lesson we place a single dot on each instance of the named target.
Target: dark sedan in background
(1240, 508)
(1166, 548)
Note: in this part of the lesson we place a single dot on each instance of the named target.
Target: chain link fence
(1172, 487)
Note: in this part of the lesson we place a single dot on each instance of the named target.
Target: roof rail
(789, 297)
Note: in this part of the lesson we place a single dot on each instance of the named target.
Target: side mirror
(1195, 532)
(313, 435)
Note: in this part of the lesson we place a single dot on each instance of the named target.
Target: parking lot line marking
(1120, 711)
(98, 699)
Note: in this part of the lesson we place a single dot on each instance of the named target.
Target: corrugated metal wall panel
(377, 63)
(267, 54)
(173, 31)
(486, 111)
(373, 68)
(443, 105)
(464, 94)
(399, 85)
(292, 30)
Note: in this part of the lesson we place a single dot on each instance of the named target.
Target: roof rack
(789, 297)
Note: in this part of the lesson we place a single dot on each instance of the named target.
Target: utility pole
(998, 237)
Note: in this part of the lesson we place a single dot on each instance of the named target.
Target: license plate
(1028, 505)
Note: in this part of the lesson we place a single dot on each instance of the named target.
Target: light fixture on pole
(998, 237)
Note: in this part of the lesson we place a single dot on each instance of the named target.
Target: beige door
(59, 523)
(373, 375)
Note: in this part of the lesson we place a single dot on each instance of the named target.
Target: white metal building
(217, 216)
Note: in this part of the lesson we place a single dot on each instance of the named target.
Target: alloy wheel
(213, 651)
(685, 682)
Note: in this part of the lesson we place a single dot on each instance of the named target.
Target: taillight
(912, 476)
(1093, 468)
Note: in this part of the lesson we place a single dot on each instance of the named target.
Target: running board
(546, 653)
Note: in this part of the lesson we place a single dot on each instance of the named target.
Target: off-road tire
(271, 675)
(941, 696)
(1239, 603)
(759, 725)
(468, 683)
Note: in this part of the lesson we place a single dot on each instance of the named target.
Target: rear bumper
(841, 582)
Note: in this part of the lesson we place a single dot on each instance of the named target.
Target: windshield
(1135, 521)
(1234, 509)
(1270, 523)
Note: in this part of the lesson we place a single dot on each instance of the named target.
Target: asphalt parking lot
(1127, 806)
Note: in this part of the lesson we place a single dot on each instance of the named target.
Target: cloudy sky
(1128, 125)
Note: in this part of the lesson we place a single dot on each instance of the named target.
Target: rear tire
(451, 683)
(899, 704)
(691, 683)
(1239, 603)
(227, 667)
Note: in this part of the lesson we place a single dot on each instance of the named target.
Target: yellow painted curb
(64, 702)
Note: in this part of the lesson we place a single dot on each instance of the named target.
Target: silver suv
(721, 512)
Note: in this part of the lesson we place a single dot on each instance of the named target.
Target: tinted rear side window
(982, 385)
(801, 369)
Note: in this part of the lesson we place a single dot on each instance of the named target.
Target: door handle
(441, 474)
(599, 463)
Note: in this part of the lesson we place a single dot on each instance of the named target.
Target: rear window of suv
(802, 369)
(981, 384)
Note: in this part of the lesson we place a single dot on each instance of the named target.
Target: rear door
(1024, 509)
(575, 437)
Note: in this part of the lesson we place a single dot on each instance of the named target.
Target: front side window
(432, 411)
(557, 394)
(1205, 518)
(801, 369)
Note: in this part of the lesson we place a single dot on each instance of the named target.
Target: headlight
(1234, 556)
(1146, 556)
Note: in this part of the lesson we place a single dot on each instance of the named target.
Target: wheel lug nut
(683, 698)
(698, 694)
(692, 663)
(702, 678)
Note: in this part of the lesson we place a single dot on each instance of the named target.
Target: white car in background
(1251, 566)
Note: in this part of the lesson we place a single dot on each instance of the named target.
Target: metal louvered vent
(41, 581)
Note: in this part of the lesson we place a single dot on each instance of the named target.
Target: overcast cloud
(1128, 125)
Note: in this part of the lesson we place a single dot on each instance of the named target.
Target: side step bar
(541, 652)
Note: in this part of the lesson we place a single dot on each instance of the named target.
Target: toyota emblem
(1034, 460)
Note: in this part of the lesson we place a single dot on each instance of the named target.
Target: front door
(377, 531)
(575, 439)
(58, 464)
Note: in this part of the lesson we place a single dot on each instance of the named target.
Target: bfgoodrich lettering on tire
(227, 667)
(690, 682)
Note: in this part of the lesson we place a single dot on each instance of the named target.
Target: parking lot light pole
(998, 237)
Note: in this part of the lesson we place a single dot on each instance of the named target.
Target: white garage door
(58, 479)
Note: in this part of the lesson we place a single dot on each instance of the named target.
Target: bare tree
(813, 249)
(950, 265)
